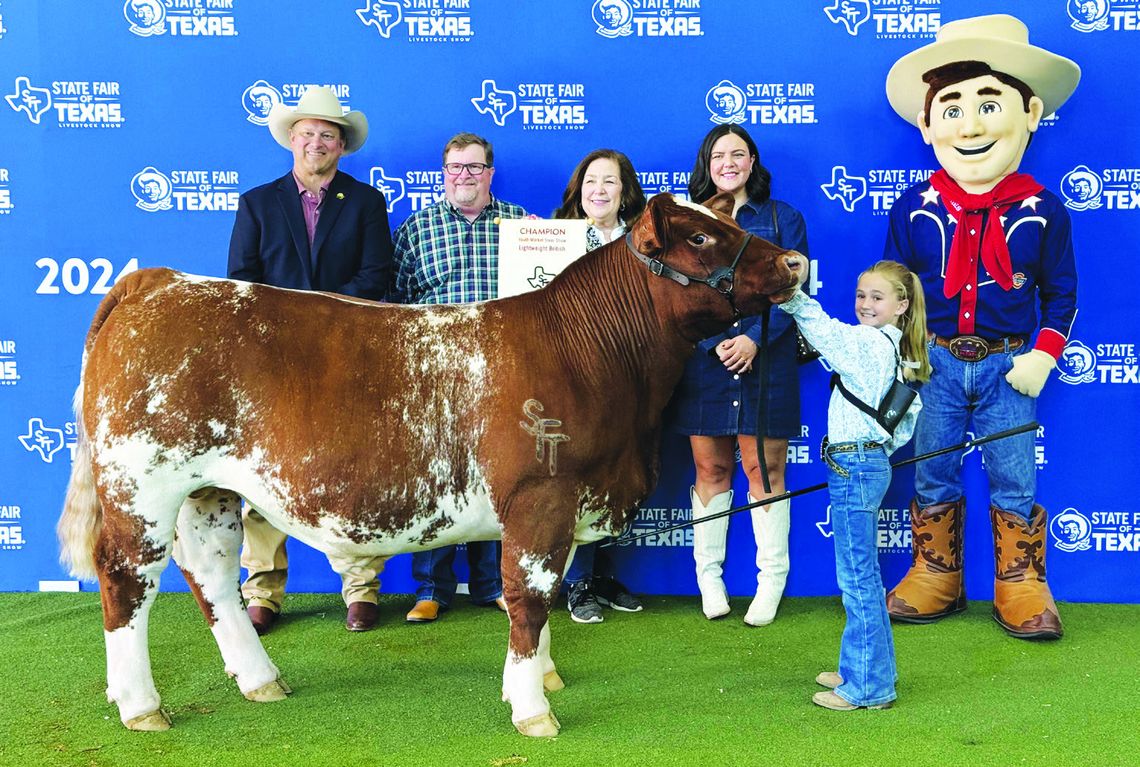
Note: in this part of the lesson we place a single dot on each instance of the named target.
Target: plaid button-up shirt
(442, 258)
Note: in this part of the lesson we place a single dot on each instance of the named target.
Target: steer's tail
(82, 517)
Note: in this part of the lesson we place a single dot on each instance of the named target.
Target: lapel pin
(340, 195)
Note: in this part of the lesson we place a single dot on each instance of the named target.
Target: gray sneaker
(583, 606)
(611, 593)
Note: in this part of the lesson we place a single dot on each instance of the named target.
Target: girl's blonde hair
(912, 322)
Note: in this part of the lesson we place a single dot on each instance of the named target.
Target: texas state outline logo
(852, 14)
(385, 15)
(497, 104)
(845, 189)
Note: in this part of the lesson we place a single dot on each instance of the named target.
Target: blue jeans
(867, 649)
(582, 567)
(436, 578)
(956, 392)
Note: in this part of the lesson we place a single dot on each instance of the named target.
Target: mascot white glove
(1030, 371)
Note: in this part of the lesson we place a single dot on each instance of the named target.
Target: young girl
(891, 310)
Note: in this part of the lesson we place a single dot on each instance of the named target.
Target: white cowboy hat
(319, 103)
(1000, 41)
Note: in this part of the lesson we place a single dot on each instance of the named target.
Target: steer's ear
(722, 203)
(650, 233)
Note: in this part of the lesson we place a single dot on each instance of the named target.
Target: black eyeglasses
(474, 168)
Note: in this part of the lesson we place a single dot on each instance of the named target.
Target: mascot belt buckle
(969, 348)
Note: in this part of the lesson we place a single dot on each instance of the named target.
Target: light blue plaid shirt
(442, 258)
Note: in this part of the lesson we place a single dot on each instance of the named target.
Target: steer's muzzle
(796, 267)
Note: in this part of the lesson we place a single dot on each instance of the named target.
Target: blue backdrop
(102, 96)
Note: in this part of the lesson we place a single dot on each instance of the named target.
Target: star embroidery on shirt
(951, 220)
(929, 197)
(1031, 202)
(1002, 220)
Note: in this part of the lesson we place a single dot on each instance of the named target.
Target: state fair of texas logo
(613, 17)
(392, 188)
(1077, 364)
(498, 104)
(152, 189)
(847, 190)
(850, 13)
(726, 102)
(146, 17)
(258, 99)
(1082, 189)
(1088, 15)
(30, 99)
(47, 441)
(385, 15)
(1071, 531)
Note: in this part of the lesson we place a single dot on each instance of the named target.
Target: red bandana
(968, 209)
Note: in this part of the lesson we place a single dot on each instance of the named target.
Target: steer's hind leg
(531, 578)
(131, 551)
(206, 548)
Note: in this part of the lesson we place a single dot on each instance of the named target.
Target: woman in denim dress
(891, 310)
(718, 400)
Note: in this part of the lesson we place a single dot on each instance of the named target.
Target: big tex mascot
(994, 252)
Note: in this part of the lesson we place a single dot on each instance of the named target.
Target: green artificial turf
(661, 687)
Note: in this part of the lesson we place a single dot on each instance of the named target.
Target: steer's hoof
(267, 693)
(541, 726)
(156, 721)
(551, 682)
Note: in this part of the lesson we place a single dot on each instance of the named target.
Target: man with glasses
(315, 228)
(448, 253)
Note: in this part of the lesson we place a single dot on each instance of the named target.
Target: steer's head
(709, 269)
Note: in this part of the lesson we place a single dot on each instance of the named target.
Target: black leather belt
(975, 348)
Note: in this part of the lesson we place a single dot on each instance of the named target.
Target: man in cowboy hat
(315, 228)
(993, 250)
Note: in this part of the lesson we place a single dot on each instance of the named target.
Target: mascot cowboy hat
(1002, 42)
(319, 103)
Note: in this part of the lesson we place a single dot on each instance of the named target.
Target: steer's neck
(602, 324)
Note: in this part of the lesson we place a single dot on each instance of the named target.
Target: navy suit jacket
(353, 244)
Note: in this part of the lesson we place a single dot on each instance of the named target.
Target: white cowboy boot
(708, 552)
(770, 526)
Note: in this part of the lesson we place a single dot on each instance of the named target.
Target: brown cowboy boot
(932, 588)
(1023, 604)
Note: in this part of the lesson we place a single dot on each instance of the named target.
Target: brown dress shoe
(262, 618)
(933, 586)
(425, 611)
(1023, 603)
(361, 616)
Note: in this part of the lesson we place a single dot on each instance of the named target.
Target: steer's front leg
(530, 585)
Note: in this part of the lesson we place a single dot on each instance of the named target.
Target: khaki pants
(263, 554)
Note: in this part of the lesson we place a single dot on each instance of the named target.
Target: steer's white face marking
(694, 206)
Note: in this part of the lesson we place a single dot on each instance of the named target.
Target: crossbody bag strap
(837, 383)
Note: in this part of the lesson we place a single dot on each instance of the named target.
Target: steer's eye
(699, 239)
